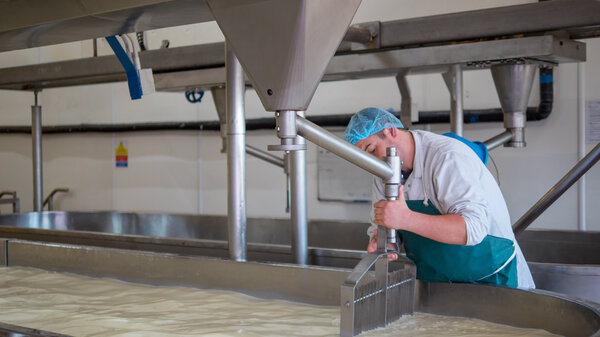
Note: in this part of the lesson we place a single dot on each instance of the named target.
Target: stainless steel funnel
(284, 46)
(513, 84)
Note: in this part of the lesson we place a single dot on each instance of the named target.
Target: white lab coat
(448, 174)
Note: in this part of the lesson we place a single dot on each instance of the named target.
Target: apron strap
(514, 254)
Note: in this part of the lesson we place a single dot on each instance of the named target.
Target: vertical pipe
(456, 104)
(581, 143)
(454, 82)
(36, 137)
(298, 202)
(236, 157)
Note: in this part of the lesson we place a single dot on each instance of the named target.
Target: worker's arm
(447, 228)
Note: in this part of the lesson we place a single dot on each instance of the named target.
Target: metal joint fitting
(286, 131)
(392, 184)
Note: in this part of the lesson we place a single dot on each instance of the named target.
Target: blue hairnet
(369, 121)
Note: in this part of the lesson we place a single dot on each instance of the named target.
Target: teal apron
(492, 261)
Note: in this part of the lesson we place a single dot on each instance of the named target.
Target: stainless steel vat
(562, 261)
(556, 313)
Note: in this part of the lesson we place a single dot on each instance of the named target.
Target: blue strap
(133, 78)
(479, 148)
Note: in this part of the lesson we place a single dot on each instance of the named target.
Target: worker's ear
(393, 132)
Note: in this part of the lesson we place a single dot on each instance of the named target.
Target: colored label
(121, 156)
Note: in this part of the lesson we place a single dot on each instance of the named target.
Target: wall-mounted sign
(121, 155)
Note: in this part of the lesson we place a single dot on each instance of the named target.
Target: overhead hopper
(284, 46)
(513, 84)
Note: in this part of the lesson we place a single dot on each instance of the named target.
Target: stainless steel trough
(178, 250)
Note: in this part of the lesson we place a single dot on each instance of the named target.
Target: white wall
(184, 172)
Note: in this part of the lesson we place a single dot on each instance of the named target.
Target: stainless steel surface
(202, 66)
(114, 225)
(29, 23)
(370, 303)
(391, 186)
(236, 158)
(581, 144)
(533, 309)
(286, 50)
(36, 155)
(316, 285)
(50, 198)
(361, 36)
(266, 156)
(108, 69)
(574, 280)
(553, 312)
(557, 190)
(219, 95)
(476, 55)
(513, 83)
(358, 35)
(3, 252)
(299, 212)
(285, 125)
(454, 82)
(406, 105)
(566, 257)
(538, 17)
(13, 200)
(498, 140)
(9, 330)
(343, 149)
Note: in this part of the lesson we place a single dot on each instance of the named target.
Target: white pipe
(236, 157)
(581, 144)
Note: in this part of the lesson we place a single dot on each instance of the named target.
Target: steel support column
(454, 82)
(298, 202)
(236, 158)
(36, 150)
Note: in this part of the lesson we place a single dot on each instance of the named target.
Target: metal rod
(358, 35)
(298, 202)
(36, 150)
(260, 154)
(581, 199)
(498, 140)
(557, 190)
(406, 105)
(453, 79)
(343, 149)
(236, 159)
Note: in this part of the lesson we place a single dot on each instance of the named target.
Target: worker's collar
(417, 169)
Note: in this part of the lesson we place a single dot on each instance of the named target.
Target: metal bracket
(374, 28)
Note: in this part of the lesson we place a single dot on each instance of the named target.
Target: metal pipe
(406, 105)
(36, 150)
(454, 82)
(498, 140)
(581, 225)
(236, 159)
(50, 198)
(269, 158)
(343, 149)
(358, 35)
(298, 202)
(557, 190)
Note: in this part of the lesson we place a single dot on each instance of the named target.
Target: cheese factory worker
(450, 211)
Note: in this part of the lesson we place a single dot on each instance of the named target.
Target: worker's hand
(372, 247)
(392, 214)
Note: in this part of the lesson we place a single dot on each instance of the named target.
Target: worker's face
(377, 143)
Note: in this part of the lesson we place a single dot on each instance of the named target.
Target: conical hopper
(284, 46)
(513, 84)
